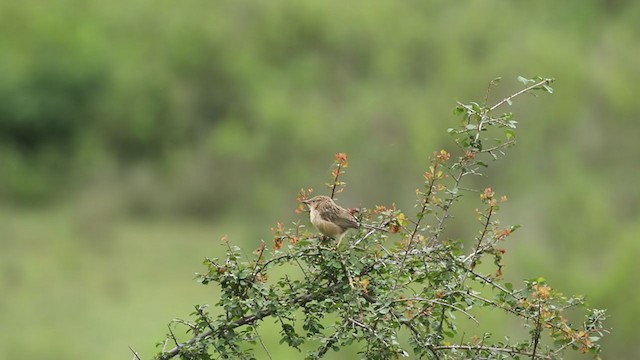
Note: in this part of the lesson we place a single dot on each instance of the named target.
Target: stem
(507, 350)
(441, 325)
(543, 82)
(512, 311)
(425, 204)
(441, 303)
(262, 343)
(250, 319)
(335, 180)
(536, 333)
(204, 316)
(474, 256)
(491, 83)
(450, 201)
(135, 354)
(416, 335)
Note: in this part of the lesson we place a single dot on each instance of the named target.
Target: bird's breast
(325, 227)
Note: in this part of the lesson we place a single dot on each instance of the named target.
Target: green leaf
(508, 286)
(510, 134)
(524, 80)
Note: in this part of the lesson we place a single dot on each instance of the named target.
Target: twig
(175, 340)
(529, 88)
(226, 241)
(510, 310)
(500, 146)
(304, 272)
(561, 349)
(491, 83)
(362, 238)
(425, 204)
(335, 180)
(250, 319)
(369, 329)
(441, 325)
(489, 281)
(536, 333)
(135, 354)
(346, 271)
(432, 301)
(288, 256)
(329, 344)
(416, 335)
(474, 255)
(450, 201)
(262, 343)
(254, 273)
(204, 316)
(487, 348)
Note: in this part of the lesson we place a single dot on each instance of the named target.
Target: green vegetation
(401, 280)
(133, 135)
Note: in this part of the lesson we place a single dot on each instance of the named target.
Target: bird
(329, 218)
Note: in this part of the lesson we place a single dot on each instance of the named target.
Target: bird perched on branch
(331, 219)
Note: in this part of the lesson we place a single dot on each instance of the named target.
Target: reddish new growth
(487, 194)
(342, 159)
(469, 155)
(278, 236)
(302, 196)
(541, 291)
(443, 156)
(504, 233)
(341, 162)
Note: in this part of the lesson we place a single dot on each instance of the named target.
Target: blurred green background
(133, 135)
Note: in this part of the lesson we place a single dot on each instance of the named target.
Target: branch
(263, 344)
(425, 204)
(497, 147)
(135, 354)
(536, 332)
(511, 310)
(450, 201)
(335, 180)
(508, 99)
(474, 255)
(250, 319)
(442, 303)
(511, 351)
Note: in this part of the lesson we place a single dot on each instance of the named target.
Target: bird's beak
(306, 202)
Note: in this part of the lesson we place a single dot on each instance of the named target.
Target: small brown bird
(329, 218)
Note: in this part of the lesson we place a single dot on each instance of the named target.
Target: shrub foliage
(405, 290)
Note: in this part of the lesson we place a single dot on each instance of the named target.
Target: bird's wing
(342, 218)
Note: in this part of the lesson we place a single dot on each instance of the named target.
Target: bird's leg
(324, 239)
(340, 239)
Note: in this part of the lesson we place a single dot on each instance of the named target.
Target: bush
(398, 277)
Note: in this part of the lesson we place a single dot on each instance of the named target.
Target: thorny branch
(250, 319)
(362, 287)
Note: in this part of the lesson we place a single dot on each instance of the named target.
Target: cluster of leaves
(409, 279)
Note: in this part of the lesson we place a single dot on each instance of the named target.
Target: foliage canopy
(407, 288)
